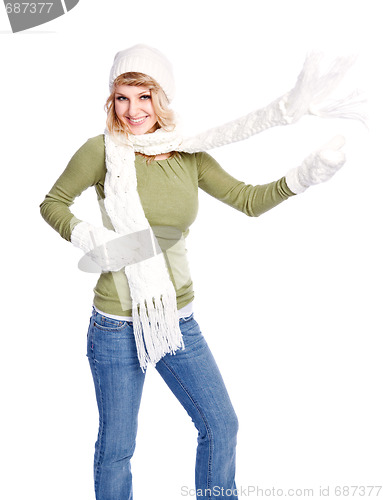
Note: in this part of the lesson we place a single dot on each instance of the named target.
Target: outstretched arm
(254, 200)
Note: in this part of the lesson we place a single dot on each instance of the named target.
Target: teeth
(139, 120)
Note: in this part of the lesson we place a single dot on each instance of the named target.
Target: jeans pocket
(186, 319)
(110, 340)
(106, 324)
(191, 332)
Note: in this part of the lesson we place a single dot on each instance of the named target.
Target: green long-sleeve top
(168, 190)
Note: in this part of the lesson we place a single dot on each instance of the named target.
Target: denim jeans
(193, 377)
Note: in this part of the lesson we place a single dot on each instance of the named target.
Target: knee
(230, 428)
(221, 431)
(116, 456)
(116, 447)
(224, 435)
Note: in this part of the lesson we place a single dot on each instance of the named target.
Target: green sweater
(168, 191)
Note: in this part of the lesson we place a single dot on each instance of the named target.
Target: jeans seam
(101, 430)
(210, 434)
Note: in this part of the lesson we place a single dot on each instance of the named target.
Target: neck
(159, 157)
(164, 156)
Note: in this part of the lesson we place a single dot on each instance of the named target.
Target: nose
(133, 107)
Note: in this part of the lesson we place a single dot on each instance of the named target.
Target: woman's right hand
(96, 243)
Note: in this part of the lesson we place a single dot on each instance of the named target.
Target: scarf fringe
(315, 83)
(352, 107)
(156, 329)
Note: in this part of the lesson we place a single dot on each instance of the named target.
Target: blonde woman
(147, 176)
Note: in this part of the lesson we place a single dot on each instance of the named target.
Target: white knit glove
(106, 248)
(318, 167)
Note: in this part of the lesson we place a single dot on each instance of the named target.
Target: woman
(146, 177)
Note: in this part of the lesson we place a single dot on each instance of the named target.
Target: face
(134, 108)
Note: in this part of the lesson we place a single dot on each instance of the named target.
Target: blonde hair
(165, 115)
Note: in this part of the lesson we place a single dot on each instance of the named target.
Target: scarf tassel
(352, 107)
(156, 329)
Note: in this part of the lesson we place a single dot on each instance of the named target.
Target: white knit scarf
(154, 310)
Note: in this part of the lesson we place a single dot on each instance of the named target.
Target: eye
(121, 98)
(145, 97)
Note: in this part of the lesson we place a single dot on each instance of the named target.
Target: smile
(136, 121)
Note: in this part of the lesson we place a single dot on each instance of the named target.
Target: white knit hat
(144, 59)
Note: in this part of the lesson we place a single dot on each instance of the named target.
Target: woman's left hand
(318, 167)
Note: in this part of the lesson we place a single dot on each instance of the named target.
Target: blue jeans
(193, 377)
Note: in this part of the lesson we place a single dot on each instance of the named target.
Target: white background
(290, 303)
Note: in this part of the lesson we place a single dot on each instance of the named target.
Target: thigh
(117, 375)
(193, 376)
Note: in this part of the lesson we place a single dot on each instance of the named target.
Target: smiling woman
(143, 312)
(122, 94)
(134, 107)
(138, 105)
